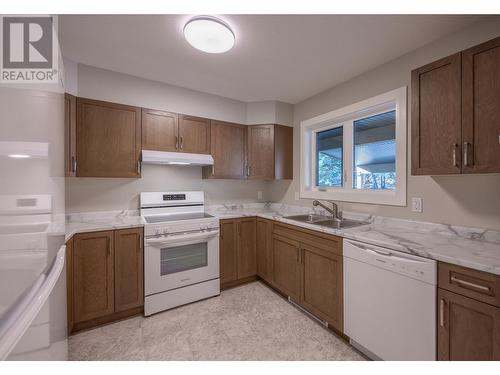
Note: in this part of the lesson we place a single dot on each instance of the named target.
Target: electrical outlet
(297, 197)
(259, 195)
(416, 205)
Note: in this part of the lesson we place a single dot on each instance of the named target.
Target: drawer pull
(469, 284)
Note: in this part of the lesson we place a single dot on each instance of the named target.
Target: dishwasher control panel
(416, 267)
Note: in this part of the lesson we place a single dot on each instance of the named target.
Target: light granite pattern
(470, 247)
(101, 220)
(250, 322)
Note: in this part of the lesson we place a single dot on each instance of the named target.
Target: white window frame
(392, 100)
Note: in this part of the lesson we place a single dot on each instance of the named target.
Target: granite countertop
(469, 247)
(100, 220)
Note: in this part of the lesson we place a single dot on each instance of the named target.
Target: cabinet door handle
(73, 164)
(182, 142)
(441, 312)
(213, 170)
(138, 167)
(455, 146)
(248, 170)
(176, 142)
(469, 284)
(466, 154)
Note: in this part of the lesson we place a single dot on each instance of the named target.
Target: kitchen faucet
(334, 210)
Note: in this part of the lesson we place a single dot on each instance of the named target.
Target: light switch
(416, 205)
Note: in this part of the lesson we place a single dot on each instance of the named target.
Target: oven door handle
(172, 239)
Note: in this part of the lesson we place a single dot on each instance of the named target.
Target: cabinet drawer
(479, 285)
(310, 237)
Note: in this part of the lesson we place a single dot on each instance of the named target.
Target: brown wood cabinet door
(468, 330)
(321, 291)
(436, 117)
(194, 134)
(286, 266)
(159, 130)
(69, 283)
(93, 275)
(69, 135)
(264, 249)
(261, 152)
(228, 146)
(283, 152)
(246, 255)
(129, 266)
(481, 108)
(108, 139)
(227, 251)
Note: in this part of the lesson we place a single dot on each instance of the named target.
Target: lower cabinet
(246, 264)
(286, 266)
(307, 267)
(264, 249)
(129, 269)
(105, 277)
(468, 314)
(237, 251)
(322, 288)
(468, 330)
(93, 275)
(227, 251)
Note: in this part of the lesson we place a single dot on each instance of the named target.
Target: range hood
(175, 158)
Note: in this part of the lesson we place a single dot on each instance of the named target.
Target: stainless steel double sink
(325, 221)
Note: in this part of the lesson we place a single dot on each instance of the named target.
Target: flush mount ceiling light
(209, 34)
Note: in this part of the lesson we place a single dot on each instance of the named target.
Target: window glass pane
(329, 154)
(183, 258)
(375, 152)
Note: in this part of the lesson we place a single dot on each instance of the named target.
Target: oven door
(179, 260)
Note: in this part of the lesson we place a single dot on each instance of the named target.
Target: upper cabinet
(436, 112)
(228, 145)
(194, 134)
(481, 108)
(104, 139)
(261, 152)
(456, 113)
(69, 135)
(166, 131)
(270, 152)
(108, 139)
(160, 130)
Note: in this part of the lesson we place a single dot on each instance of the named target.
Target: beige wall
(269, 112)
(102, 194)
(461, 200)
(105, 194)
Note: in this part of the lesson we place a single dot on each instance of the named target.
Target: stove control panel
(174, 197)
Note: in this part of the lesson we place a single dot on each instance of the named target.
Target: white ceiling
(276, 57)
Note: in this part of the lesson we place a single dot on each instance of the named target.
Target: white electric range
(181, 250)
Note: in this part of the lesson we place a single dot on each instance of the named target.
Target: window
(375, 152)
(357, 153)
(329, 146)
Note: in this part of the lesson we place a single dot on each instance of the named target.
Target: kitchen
(345, 209)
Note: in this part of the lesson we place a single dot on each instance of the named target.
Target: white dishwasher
(389, 302)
